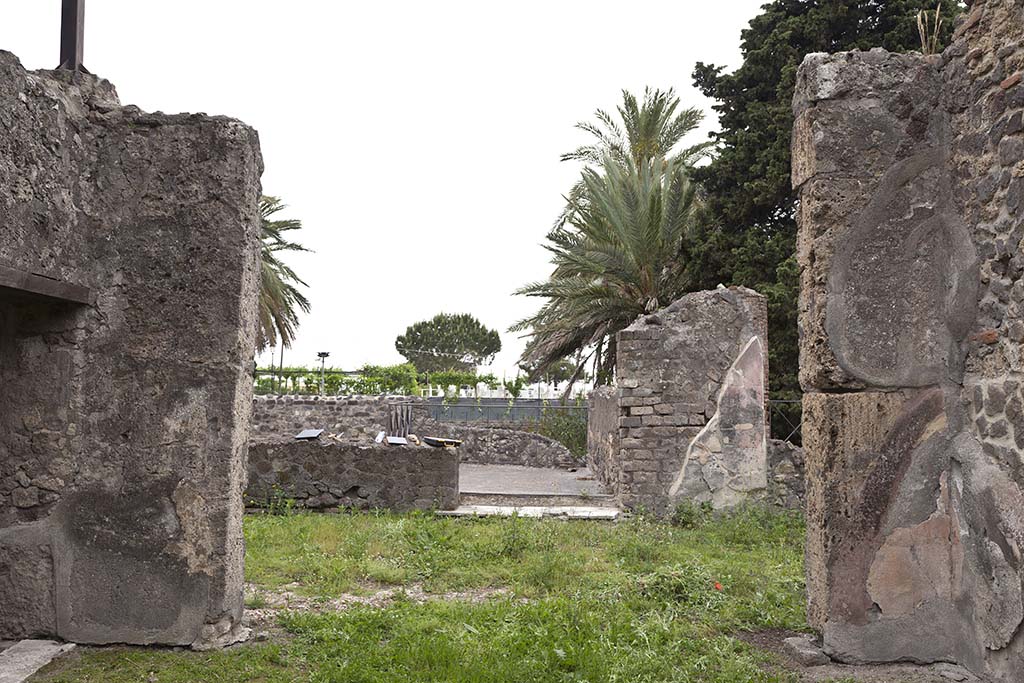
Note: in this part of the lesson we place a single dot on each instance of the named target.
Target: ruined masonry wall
(691, 419)
(123, 421)
(348, 416)
(363, 417)
(910, 172)
(328, 474)
(603, 450)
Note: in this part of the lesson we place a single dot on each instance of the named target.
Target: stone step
(23, 659)
(602, 500)
(561, 511)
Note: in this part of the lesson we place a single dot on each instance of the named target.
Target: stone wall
(128, 274)
(361, 475)
(496, 446)
(603, 437)
(785, 475)
(910, 172)
(692, 419)
(350, 417)
(364, 416)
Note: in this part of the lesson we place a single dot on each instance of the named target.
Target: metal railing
(786, 417)
(498, 410)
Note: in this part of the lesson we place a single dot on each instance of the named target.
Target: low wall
(347, 416)
(603, 455)
(325, 473)
(362, 417)
(494, 446)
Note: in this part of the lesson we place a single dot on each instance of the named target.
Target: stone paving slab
(20, 661)
(516, 480)
(567, 512)
(537, 499)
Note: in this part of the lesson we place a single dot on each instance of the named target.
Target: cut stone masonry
(910, 173)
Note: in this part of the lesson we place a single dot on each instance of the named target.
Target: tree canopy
(279, 297)
(617, 248)
(448, 342)
(749, 197)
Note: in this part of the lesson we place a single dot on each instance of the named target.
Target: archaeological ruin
(128, 275)
(910, 173)
(362, 417)
(686, 420)
(356, 474)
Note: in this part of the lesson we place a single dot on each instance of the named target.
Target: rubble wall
(910, 172)
(355, 417)
(123, 417)
(327, 474)
(691, 392)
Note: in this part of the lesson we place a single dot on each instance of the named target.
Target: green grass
(589, 601)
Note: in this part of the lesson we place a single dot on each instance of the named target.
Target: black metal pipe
(72, 35)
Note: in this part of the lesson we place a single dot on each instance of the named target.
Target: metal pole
(280, 368)
(323, 359)
(72, 35)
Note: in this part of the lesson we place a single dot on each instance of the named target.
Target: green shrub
(690, 585)
(567, 427)
(690, 515)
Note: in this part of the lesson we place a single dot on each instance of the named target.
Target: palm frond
(280, 301)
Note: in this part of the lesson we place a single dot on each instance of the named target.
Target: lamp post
(323, 360)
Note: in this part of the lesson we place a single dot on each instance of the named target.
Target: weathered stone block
(359, 475)
(27, 582)
(879, 240)
(127, 410)
(912, 290)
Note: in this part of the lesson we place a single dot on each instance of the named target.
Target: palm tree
(649, 130)
(618, 244)
(280, 300)
(616, 257)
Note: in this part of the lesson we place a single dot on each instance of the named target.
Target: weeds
(640, 600)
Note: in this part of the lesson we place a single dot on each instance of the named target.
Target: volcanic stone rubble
(359, 474)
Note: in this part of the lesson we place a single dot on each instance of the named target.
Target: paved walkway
(515, 480)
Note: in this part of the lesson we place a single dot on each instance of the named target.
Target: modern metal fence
(786, 417)
(499, 410)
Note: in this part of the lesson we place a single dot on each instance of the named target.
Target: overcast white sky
(417, 141)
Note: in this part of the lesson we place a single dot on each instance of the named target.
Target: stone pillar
(123, 414)
(603, 437)
(692, 422)
(909, 170)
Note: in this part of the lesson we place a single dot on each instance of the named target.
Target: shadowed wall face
(123, 413)
(910, 171)
(357, 474)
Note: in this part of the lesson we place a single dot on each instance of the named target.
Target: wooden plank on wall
(40, 285)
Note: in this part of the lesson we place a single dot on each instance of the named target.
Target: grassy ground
(586, 601)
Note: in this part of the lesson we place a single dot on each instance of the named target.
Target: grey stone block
(123, 414)
(803, 650)
(909, 243)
